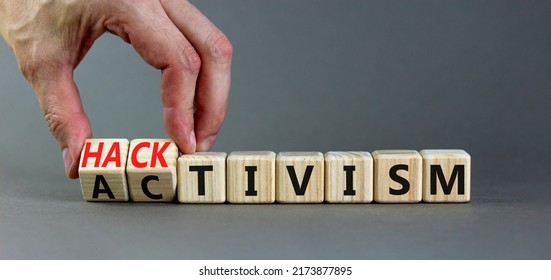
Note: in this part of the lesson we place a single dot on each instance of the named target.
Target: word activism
(152, 170)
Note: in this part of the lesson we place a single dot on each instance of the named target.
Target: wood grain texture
(384, 184)
(114, 177)
(360, 167)
(213, 188)
(263, 184)
(162, 179)
(443, 166)
(300, 162)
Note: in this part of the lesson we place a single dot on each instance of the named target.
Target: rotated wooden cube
(102, 170)
(251, 177)
(397, 176)
(151, 170)
(300, 177)
(446, 176)
(348, 177)
(202, 178)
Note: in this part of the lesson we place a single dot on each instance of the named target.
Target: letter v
(300, 189)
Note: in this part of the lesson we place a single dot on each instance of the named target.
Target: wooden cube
(251, 177)
(102, 170)
(299, 177)
(446, 176)
(151, 170)
(348, 177)
(397, 176)
(202, 178)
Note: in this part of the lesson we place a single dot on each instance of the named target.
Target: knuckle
(55, 122)
(191, 59)
(220, 48)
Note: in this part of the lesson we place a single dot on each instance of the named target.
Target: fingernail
(67, 160)
(207, 143)
(192, 141)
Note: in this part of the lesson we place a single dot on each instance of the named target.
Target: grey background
(312, 75)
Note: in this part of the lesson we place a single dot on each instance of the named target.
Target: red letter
(135, 161)
(113, 155)
(88, 154)
(158, 154)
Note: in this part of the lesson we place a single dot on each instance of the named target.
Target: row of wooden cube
(151, 170)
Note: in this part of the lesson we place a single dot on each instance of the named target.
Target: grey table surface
(312, 75)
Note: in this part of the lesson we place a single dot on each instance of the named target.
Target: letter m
(457, 173)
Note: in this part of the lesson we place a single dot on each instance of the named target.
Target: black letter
(300, 189)
(250, 181)
(201, 175)
(436, 171)
(403, 181)
(97, 190)
(146, 191)
(349, 169)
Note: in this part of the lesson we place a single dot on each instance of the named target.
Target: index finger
(164, 47)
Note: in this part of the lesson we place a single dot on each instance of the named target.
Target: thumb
(60, 102)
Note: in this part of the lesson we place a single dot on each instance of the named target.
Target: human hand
(50, 38)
